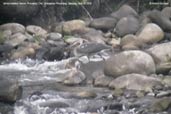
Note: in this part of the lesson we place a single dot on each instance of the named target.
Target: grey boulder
(127, 25)
(129, 62)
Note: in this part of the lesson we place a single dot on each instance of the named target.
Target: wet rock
(51, 53)
(124, 11)
(10, 90)
(129, 62)
(13, 27)
(69, 27)
(151, 33)
(16, 39)
(89, 48)
(5, 50)
(161, 54)
(163, 94)
(102, 81)
(92, 69)
(127, 25)
(54, 36)
(54, 104)
(94, 36)
(22, 52)
(104, 23)
(160, 105)
(6, 108)
(36, 30)
(118, 92)
(74, 78)
(135, 82)
(158, 18)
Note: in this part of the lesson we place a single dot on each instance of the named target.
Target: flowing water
(43, 95)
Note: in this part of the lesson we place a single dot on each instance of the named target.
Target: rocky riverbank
(117, 64)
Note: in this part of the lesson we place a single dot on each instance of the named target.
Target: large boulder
(69, 27)
(151, 33)
(127, 25)
(10, 89)
(13, 27)
(161, 20)
(161, 54)
(129, 62)
(124, 11)
(135, 82)
(104, 23)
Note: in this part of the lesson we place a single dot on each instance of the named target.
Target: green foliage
(2, 38)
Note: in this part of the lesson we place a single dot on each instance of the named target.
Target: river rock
(158, 18)
(102, 81)
(4, 35)
(13, 27)
(167, 81)
(160, 105)
(36, 30)
(124, 11)
(50, 52)
(130, 42)
(166, 12)
(151, 33)
(94, 36)
(103, 23)
(135, 82)
(5, 49)
(161, 54)
(74, 78)
(89, 48)
(16, 39)
(22, 52)
(10, 89)
(6, 108)
(69, 27)
(127, 25)
(129, 62)
(54, 36)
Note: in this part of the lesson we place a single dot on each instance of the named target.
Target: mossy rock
(160, 105)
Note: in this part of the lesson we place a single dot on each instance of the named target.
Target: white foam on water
(14, 66)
